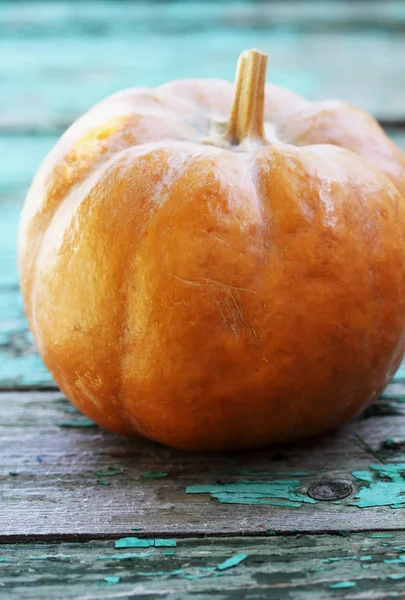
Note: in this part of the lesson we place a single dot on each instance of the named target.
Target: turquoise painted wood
(57, 60)
(61, 476)
(233, 568)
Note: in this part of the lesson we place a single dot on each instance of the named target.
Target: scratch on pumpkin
(215, 237)
(224, 286)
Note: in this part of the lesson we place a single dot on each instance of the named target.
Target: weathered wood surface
(294, 567)
(63, 477)
(58, 60)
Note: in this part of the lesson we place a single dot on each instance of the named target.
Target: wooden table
(323, 519)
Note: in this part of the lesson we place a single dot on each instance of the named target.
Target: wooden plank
(58, 61)
(273, 567)
(63, 478)
(20, 366)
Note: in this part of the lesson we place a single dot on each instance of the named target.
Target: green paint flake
(342, 585)
(338, 558)
(133, 542)
(233, 561)
(283, 492)
(366, 557)
(396, 576)
(363, 476)
(154, 475)
(78, 423)
(382, 493)
(365, 566)
(159, 543)
(381, 535)
(13, 473)
(112, 579)
(169, 553)
(4, 559)
(270, 532)
(124, 556)
(104, 482)
(108, 473)
(393, 561)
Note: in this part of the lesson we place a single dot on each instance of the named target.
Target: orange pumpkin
(218, 267)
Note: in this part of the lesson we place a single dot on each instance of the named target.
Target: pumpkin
(218, 266)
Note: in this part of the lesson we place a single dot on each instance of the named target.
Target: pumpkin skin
(212, 297)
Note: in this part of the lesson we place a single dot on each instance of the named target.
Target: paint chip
(78, 423)
(342, 585)
(107, 473)
(159, 543)
(283, 492)
(154, 475)
(112, 579)
(134, 542)
(233, 561)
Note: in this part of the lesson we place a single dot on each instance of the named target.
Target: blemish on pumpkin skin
(201, 280)
(215, 237)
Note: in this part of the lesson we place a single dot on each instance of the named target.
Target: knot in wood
(328, 490)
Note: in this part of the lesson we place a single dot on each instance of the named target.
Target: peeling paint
(342, 585)
(134, 542)
(84, 422)
(112, 579)
(381, 493)
(233, 561)
(108, 473)
(283, 492)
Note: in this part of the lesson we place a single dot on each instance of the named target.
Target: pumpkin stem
(247, 114)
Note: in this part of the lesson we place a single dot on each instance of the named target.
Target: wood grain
(57, 61)
(56, 479)
(276, 568)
